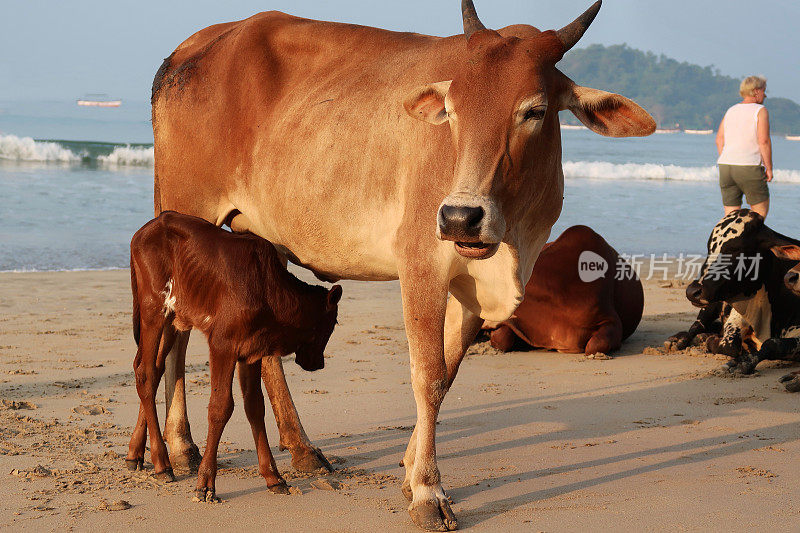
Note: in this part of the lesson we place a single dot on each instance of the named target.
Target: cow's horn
(471, 21)
(572, 32)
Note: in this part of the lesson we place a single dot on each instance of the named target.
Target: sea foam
(129, 155)
(603, 170)
(26, 149)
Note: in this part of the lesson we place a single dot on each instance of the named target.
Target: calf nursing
(188, 274)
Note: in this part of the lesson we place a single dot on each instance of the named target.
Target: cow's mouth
(476, 250)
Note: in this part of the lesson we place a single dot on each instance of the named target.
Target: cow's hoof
(406, 490)
(134, 465)
(205, 495)
(310, 460)
(791, 382)
(167, 476)
(186, 460)
(679, 341)
(433, 516)
(742, 366)
(279, 488)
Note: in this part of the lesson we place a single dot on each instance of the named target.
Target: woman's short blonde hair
(750, 84)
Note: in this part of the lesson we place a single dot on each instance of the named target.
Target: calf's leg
(220, 408)
(305, 457)
(147, 378)
(250, 381)
(183, 451)
(135, 457)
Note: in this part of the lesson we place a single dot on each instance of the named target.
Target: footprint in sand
(90, 409)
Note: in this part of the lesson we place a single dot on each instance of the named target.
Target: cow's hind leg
(503, 338)
(606, 339)
(220, 408)
(183, 451)
(250, 381)
(774, 349)
(305, 457)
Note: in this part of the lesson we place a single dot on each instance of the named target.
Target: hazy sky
(61, 50)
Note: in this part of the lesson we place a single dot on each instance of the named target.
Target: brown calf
(186, 273)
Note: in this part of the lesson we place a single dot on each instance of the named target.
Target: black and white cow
(745, 268)
(720, 328)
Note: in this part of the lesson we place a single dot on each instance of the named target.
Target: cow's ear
(608, 114)
(426, 103)
(334, 295)
(788, 251)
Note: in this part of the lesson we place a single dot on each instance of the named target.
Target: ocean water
(76, 183)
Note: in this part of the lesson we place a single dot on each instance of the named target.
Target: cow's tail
(137, 325)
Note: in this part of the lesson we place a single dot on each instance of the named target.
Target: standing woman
(745, 150)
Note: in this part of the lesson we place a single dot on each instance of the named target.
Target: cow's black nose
(792, 278)
(694, 292)
(460, 221)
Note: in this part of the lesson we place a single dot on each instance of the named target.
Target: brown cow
(368, 154)
(186, 273)
(562, 311)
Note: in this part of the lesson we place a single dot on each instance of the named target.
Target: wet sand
(536, 441)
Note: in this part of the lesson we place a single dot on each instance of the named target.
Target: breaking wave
(127, 155)
(113, 155)
(13, 148)
(26, 149)
(604, 170)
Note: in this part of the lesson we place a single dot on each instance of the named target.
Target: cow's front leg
(305, 457)
(183, 451)
(424, 303)
(460, 328)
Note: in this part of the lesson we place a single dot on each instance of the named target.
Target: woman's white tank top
(741, 138)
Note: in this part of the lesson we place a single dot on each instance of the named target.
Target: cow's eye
(534, 113)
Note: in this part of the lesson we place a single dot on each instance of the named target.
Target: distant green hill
(673, 92)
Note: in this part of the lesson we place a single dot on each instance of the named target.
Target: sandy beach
(535, 441)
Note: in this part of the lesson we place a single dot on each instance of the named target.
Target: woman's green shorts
(748, 179)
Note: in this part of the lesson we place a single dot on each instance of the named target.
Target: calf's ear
(426, 103)
(608, 114)
(788, 251)
(334, 295)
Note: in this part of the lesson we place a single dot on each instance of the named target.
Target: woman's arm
(764, 141)
(720, 137)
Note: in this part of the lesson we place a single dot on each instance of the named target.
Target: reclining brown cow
(186, 273)
(565, 312)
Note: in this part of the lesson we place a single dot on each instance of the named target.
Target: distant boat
(699, 132)
(573, 127)
(98, 100)
(793, 137)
